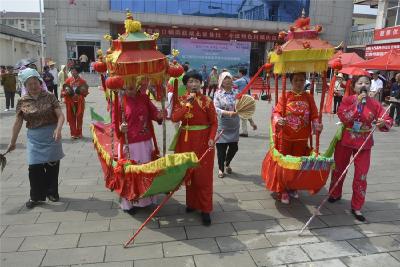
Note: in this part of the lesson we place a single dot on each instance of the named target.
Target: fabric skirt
(41, 146)
(231, 127)
(141, 153)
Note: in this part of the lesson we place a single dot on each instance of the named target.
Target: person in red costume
(74, 92)
(199, 124)
(357, 113)
(139, 113)
(293, 126)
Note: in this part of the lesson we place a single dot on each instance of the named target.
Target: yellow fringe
(285, 164)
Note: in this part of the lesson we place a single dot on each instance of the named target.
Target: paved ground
(249, 228)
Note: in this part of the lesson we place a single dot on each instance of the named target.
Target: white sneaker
(6, 110)
(294, 194)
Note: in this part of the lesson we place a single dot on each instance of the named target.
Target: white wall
(14, 49)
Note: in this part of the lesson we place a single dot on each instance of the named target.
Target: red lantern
(337, 65)
(306, 45)
(318, 28)
(292, 28)
(100, 66)
(115, 83)
(175, 69)
(268, 67)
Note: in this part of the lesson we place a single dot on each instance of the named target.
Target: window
(393, 13)
(22, 25)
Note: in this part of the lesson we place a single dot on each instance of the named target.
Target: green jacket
(9, 82)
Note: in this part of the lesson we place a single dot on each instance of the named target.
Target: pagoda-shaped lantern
(134, 56)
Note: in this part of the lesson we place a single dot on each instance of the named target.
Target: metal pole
(41, 35)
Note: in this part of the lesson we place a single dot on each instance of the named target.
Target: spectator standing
(9, 82)
(376, 86)
(83, 59)
(395, 108)
(53, 70)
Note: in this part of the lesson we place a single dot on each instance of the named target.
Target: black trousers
(9, 99)
(225, 154)
(43, 179)
(336, 102)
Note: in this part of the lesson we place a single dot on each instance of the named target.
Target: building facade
(17, 44)
(24, 21)
(386, 33)
(79, 28)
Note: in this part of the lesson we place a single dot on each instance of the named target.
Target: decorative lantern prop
(303, 51)
(131, 61)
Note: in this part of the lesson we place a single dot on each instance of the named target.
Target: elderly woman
(44, 120)
(357, 113)
(228, 121)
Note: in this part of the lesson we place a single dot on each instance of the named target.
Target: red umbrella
(354, 71)
(389, 61)
(346, 58)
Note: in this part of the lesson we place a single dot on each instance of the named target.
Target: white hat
(340, 75)
(215, 67)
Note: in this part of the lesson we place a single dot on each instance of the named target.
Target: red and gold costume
(75, 105)
(199, 125)
(301, 111)
(351, 112)
(292, 138)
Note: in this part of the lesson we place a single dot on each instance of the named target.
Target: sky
(21, 5)
(33, 6)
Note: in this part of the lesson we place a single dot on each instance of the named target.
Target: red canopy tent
(346, 58)
(389, 61)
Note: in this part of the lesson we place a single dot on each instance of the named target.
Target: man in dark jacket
(9, 82)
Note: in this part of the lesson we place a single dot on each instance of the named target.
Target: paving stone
(396, 254)
(137, 252)
(70, 256)
(161, 235)
(291, 238)
(383, 259)
(241, 205)
(46, 207)
(268, 214)
(230, 216)
(190, 247)
(70, 197)
(256, 227)
(326, 263)
(376, 229)
(328, 250)
(49, 242)
(166, 262)
(375, 244)
(90, 205)
(182, 220)
(279, 255)
(107, 264)
(222, 229)
(339, 219)
(229, 188)
(242, 242)
(382, 216)
(62, 216)
(30, 230)
(103, 238)
(79, 181)
(19, 219)
(107, 214)
(290, 224)
(132, 223)
(240, 258)
(253, 195)
(337, 233)
(83, 227)
(25, 259)
(10, 244)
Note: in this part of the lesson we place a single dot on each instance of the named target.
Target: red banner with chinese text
(377, 50)
(387, 33)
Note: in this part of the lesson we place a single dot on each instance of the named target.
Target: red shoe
(285, 199)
